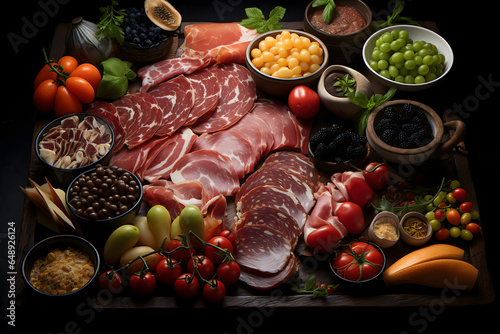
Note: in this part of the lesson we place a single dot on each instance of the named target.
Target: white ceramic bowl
(416, 33)
(384, 217)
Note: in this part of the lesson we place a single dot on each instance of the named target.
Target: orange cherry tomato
(453, 216)
(66, 102)
(45, 95)
(68, 64)
(88, 72)
(45, 74)
(81, 88)
(473, 228)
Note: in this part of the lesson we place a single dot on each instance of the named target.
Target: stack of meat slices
(272, 207)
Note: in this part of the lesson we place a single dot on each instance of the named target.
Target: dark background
(469, 27)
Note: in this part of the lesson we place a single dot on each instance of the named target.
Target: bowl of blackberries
(410, 132)
(336, 149)
(144, 41)
(104, 198)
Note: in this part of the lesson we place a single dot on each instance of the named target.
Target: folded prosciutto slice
(224, 42)
(212, 169)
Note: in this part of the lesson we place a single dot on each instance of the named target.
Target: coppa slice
(140, 116)
(268, 282)
(212, 169)
(175, 98)
(237, 98)
(261, 249)
(207, 92)
(299, 163)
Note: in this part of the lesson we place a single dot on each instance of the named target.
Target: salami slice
(238, 93)
(175, 98)
(140, 116)
(298, 162)
(261, 282)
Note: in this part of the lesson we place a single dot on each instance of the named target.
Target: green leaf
(251, 23)
(254, 12)
(256, 19)
(319, 3)
(277, 13)
(359, 99)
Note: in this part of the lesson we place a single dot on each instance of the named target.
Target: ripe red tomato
(214, 291)
(213, 253)
(167, 271)
(324, 239)
(229, 235)
(466, 206)
(459, 194)
(303, 102)
(180, 254)
(442, 234)
(358, 261)
(228, 272)
(44, 97)
(186, 286)
(88, 72)
(351, 216)
(144, 285)
(360, 192)
(113, 283)
(376, 175)
(473, 228)
(205, 266)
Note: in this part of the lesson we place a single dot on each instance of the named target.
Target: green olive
(121, 240)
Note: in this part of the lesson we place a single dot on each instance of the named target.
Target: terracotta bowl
(435, 148)
(342, 106)
(410, 240)
(344, 49)
(279, 86)
(417, 34)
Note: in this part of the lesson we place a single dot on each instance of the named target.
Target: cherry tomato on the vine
(228, 272)
(229, 235)
(442, 234)
(167, 271)
(205, 266)
(44, 97)
(214, 291)
(453, 216)
(81, 88)
(213, 253)
(142, 285)
(114, 283)
(376, 175)
(460, 194)
(186, 286)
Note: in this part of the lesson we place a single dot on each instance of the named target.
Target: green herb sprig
(368, 104)
(256, 19)
(327, 11)
(110, 22)
(395, 17)
(345, 84)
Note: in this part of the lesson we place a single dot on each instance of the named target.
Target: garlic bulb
(84, 45)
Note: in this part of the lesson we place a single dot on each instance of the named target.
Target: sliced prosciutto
(108, 111)
(232, 145)
(212, 169)
(175, 98)
(224, 42)
(163, 70)
(206, 95)
(257, 132)
(238, 93)
(140, 116)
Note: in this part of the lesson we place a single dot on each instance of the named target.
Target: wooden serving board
(453, 165)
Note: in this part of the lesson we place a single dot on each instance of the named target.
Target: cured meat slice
(256, 132)
(281, 122)
(298, 162)
(175, 98)
(232, 145)
(262, 249)
(108, 111)
(212, 169)
(140, 116)
(238, 93)
(163, 70)
(272, 217)
(207, 92)
(281, 178)
(275, 197)
(163, 157)
(224, 42)
(260, 282)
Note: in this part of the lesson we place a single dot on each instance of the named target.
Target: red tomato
(376, 175)
(351, 216)
(214, 291)
(178, 253)
(88, 72)
(459, 194)
(167, 271)
(228, 272)
(229, 235)
(81, 88)
(324, 239)
(473, 228)
(360, 192)
(438, 214)
(213, 253)
(453, 216)
(66, 102)
(303, 102)
(442, 234)
(144, 285)
(466, 206)
(205, 266)
(186, 286)
(44, 97)
(358, 261)
(113, 283)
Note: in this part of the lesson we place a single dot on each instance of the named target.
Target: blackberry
(321, 151)
(342, 140)
(390, 112)
(324, 135)
(382, 125)
(410, 128)
(388, 136)
(355, 152)
(402, 140)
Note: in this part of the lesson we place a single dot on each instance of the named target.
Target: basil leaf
(256, 19)
(319, 3)
(327, 13)
(254, 12)
(114, 82)
(251, 23)
(277, 13)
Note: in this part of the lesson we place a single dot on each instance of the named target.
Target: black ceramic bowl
(96, 230)
(42, 248)
(61, 177)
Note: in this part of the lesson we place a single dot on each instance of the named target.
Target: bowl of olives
(104, 198)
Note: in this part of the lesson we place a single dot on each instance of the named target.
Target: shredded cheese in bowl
(385, 230)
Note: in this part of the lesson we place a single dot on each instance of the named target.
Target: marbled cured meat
(257, 132)
(207, 92)
(108, 111)
(238, 93)
(267, 282)
(140, 116)
(175, 98)
(224, 42)
(212, 169)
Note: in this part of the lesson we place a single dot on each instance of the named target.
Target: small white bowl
(384, 217)
(412, 241)
(416, 34)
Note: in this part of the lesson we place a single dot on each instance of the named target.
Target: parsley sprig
(110, 22)
(256, 19)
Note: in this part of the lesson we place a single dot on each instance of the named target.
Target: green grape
(418, 60)
(395, 34)
(374, 65)
(385, 47)
(419, 79)
(474, 214)
(395, 45)
(379, 42)
(408, 55)
(383, 64)
(393, 71)
(387, 37)
(455, 232)
(376, 54)
(455, 184)
(410, 64)
(435, 224)
(430, 76)
(436, 60)
(400, 78)
(428, 60)
(466, 235)
(404, 34)
(430, 215)
(385, 74)
(417, 46)
(443, 58)
(423, 70)
(424, 52)
(384, 56)
(403, 70)
(397, 57)
(409, 79)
